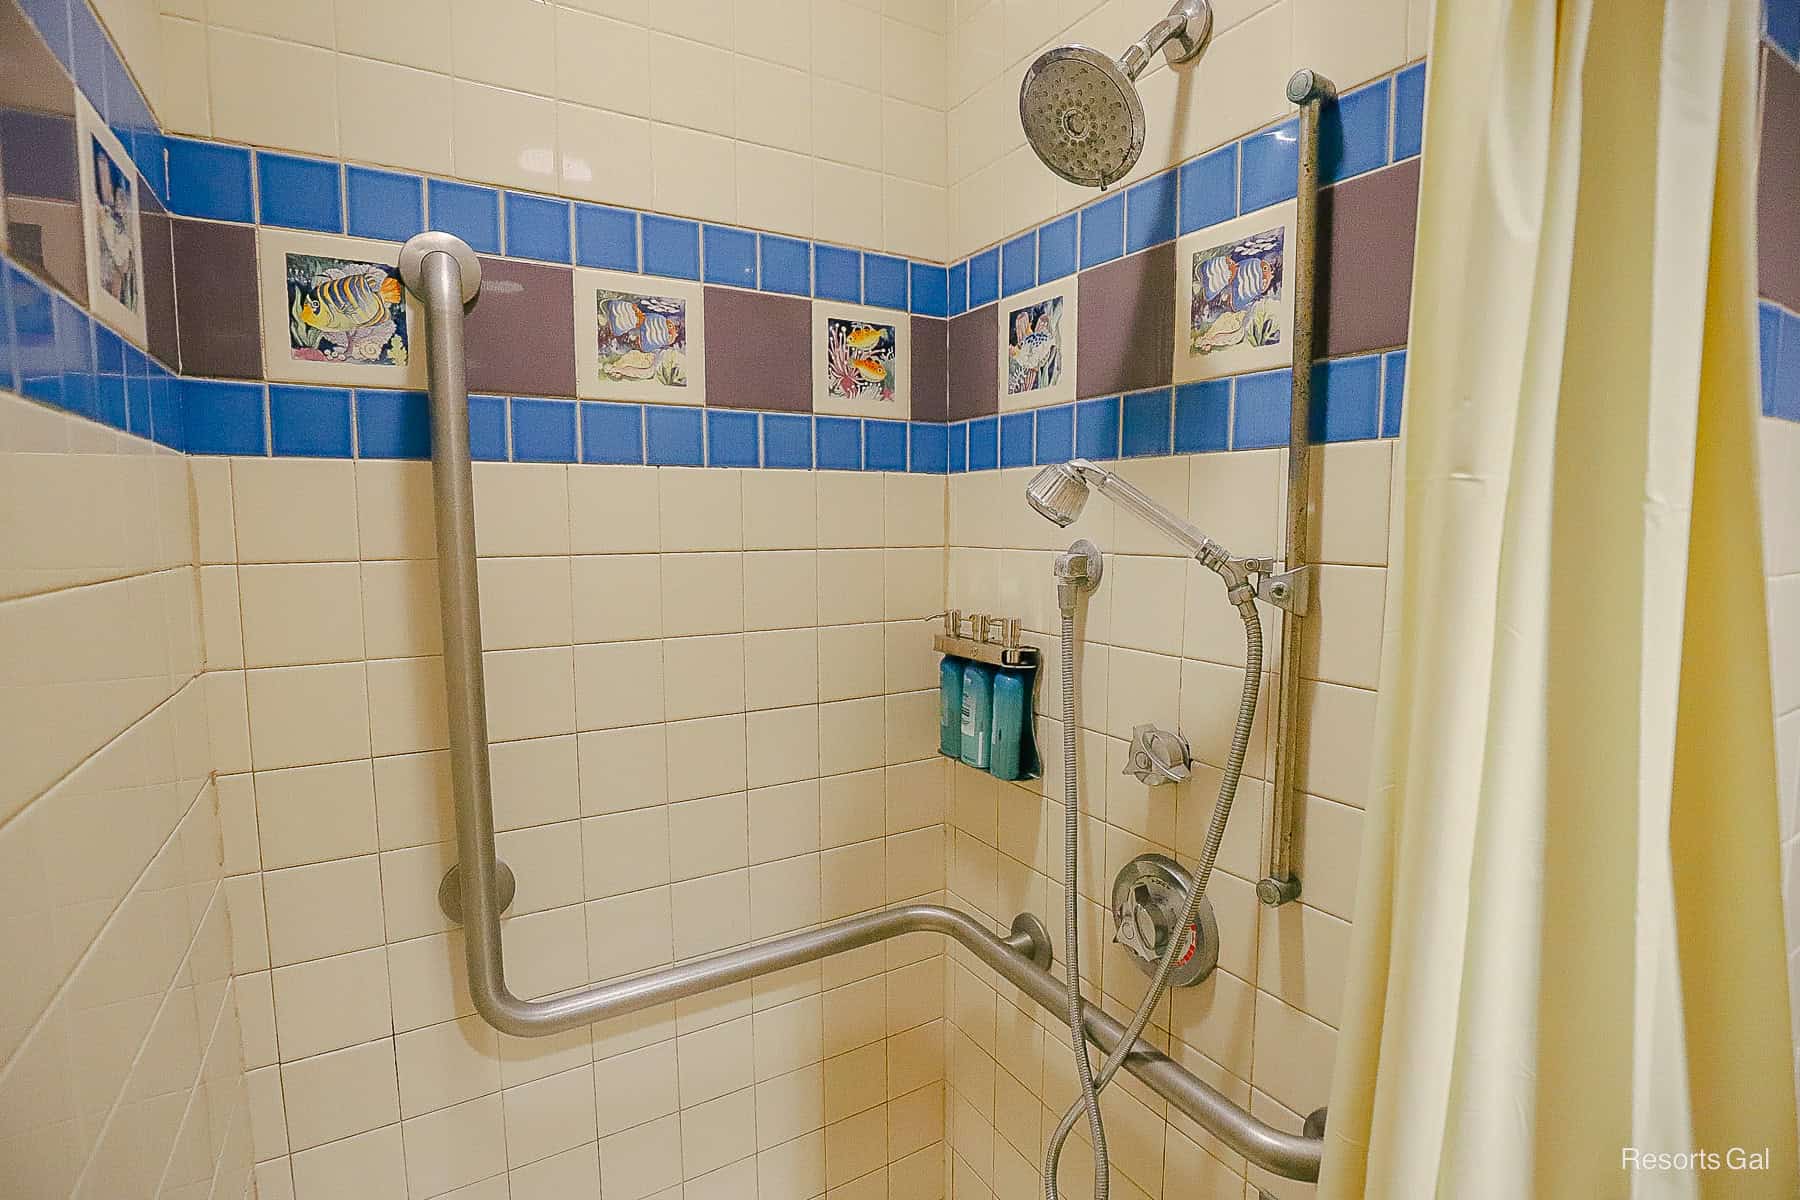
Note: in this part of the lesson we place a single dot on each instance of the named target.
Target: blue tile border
(392, 425)
(472, 213)
(310, 422)
(786, 265)
(389, 205)
(612, 433)
(787, 441)
(544, 431)
(300, 193)
(884, 445)
(606, 237)
(730, 256)
(837, 273)
(885, 281)
(930, 449)
(984, 279)
(1103, 231)
(488, 440)
(1059, 253)
(1150, 212)
(537, 227)
(1018, 264)
(733, 438)
(224, 418)
(1097, 429)
(1147, 424)
(1203, 417)
(838, 443)
(210, 179)
(1055, 440)
(674, 437)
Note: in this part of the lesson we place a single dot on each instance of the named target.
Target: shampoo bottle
(977, 713)
(950, 690)
(1011, 717)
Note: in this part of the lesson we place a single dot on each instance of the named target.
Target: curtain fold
(1568, 938)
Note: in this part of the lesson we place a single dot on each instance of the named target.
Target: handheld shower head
(1059, 491)
(1081, 109)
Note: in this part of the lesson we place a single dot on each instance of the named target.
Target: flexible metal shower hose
(1084, 1070)
(1209, 853)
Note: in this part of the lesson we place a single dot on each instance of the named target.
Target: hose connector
(1078, 570)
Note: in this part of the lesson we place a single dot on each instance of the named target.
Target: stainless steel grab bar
(445, 274)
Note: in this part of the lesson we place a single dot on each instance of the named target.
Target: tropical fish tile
(641, 338)
(859, 360)
(114, 204)
(346, 311)
(1034, 340)
(1236, 291)
(862, 360)
(1234, 300)
(111, 229)
(335, 312)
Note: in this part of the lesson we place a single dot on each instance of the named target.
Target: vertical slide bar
(1311, 91)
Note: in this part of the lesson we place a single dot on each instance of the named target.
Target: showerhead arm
(1181, 35)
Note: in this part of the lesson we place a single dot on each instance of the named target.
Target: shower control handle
(1157, 757)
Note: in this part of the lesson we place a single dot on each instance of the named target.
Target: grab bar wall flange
(437, 267)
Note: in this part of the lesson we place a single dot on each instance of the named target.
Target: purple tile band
(758, 351)
(1367, 226)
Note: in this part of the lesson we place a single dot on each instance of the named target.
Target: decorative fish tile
(861, 361)
(335, 312)
(1037, 347)
(1234, 296)
(639, 338)
(114, 234)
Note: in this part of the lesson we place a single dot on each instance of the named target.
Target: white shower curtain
(1568, 940)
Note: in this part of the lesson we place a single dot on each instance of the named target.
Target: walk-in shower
(1059, 493)
(1081, 108)
(446, 275)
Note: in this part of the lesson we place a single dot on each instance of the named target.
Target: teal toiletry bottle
(950, 690)
(1012, 713)
(977, 713)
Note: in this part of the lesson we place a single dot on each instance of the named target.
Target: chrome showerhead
(1082, 115)
(1080, 107)
(1058, 493)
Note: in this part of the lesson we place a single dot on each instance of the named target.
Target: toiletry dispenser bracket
(983, 638)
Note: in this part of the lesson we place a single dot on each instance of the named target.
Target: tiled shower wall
(808, 117)
(997, 186)
(1162, 645)
(372, 1070)
(122, 1073)
(712, 702)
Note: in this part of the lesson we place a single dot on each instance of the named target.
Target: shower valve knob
(1156, 756)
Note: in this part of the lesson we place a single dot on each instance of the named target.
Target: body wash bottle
(1011, 717)
(977, 713)
(950, 690)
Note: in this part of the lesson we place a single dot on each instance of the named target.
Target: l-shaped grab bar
(445, 274)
